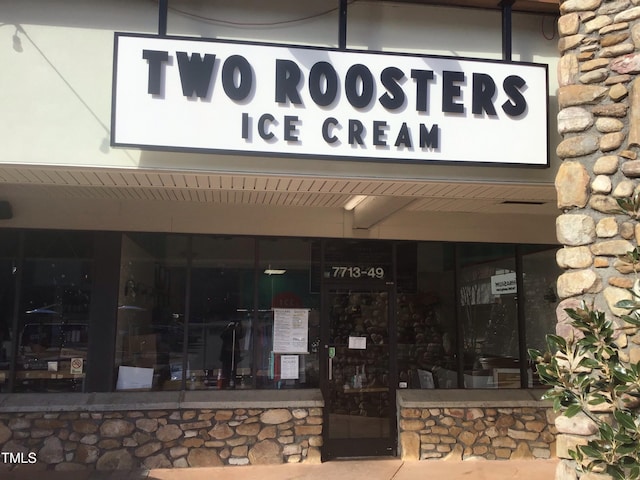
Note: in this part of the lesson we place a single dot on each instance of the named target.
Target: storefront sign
(228, 97)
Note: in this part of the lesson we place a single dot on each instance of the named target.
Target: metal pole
(342, 31)
(187, 315)
(506, 29)
(163, 7)
(232, 375)
(522, 323)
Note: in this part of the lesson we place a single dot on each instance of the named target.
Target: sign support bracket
(507, 29)
(163, 8)
(342, 26)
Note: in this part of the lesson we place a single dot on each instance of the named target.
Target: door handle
(331, 352)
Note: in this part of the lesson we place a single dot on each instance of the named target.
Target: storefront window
(8, 274)
(54, 312)
(225, 346)
(540, 272)
(287, 296)
(427, 356)
(151, 312)
(488, 315)
(221, 313)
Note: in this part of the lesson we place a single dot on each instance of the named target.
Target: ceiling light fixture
(274, 271)
(354, 201)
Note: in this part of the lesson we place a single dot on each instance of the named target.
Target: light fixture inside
(354, 202)
(274, 271)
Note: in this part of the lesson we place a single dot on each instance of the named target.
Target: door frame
(360, 447)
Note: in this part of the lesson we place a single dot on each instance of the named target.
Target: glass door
(357, 381)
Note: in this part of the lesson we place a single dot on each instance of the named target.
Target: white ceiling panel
(293, 191)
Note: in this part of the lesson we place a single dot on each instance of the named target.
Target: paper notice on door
(358, 343)
(289, 367)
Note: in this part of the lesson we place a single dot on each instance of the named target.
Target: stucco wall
(60, 52)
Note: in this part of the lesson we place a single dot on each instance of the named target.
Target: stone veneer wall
(490, 433)
(599, 119)
(163, 438)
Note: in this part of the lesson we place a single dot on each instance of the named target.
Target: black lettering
(245, 80)
(379, 133)
(513, 86)
(404, 137)
(356, 129)
(329, 122)
(356, 75)
(290, 129)
(484, 89)
(429, 138)
(156, 59)
(263, 129)
(323, 74)
(422, 78)
(394, 96)
(195, 73)
(450, 91)
(287, 79)
(245, 125)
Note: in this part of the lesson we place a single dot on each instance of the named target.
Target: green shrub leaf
(572, 411)
(625, 419)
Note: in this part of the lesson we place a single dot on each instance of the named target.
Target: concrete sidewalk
(376, 469)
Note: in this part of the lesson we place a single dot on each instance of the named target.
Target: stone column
(599, 121)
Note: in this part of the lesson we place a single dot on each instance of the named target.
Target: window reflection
(198, 312)
(151, 312)
(426, 316)
(8, 274)
(540, 271)
(53, 324)
(286, 281)
(221, 313)
(489, 315)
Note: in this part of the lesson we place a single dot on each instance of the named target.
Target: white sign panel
(290, 330)
(289, 367)
(357, 343)
(214, 96)
(504, 284)
(134, 377)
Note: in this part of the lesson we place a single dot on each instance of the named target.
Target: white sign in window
(357, 343)
(289, 367)
(504, 284)
(290, 330)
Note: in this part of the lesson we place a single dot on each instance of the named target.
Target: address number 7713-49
(357, 272)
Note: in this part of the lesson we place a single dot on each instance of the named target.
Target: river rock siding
(489, 433)
(163, 438)
(599, 120)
